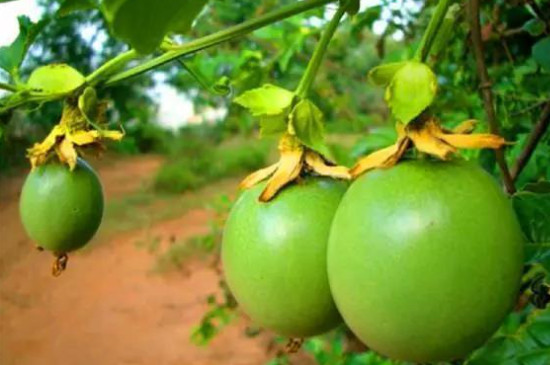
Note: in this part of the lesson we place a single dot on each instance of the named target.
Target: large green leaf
(541, 52)
(144, 24)
(411, 90)
(11, 56)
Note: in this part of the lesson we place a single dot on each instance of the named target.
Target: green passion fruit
(425, 259)
(274, 256)
(61, 209)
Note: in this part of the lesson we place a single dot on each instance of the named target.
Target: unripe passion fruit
(61, 209)
(425, 259)
(274, 256)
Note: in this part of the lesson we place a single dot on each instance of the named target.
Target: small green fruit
(61, 209)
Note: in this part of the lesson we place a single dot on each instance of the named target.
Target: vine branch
(218, 37)
(111, 66)
(536, 135)
(8, 87)
(487, 95)
(320, 49)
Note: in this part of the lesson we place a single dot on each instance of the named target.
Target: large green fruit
(274, 256)
(61, 210)
(425, 259)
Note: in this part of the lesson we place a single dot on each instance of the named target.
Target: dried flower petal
(289, 168)
(258, 176)
(318, 164)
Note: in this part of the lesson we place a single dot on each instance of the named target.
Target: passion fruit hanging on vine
(274, 256)
(61, 209)
(425, 259)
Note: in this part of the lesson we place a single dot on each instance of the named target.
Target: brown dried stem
(485, 85)
(536, 134)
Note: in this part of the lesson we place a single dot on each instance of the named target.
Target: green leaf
(533, 211)
(540, 187)
(70, 6)
(11, 56)
(535, 27)
(55, 79)
(307, 121)
(273, 125)
(144, 24)
(541, 52)
(411, 90)
(383, 74)
(268, 100)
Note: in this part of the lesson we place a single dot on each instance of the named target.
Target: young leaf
(383, 74)
(11, 56)
(411, 90)
(307, 121)
(535, 27)
(273, 125)
(55, 79)
(70, 6)
(541, 52)
(268, 100)
(143, 24)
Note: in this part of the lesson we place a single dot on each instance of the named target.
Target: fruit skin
(425, 259)
(274, 256)
(61, 210)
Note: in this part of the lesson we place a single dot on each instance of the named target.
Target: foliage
(197, 164)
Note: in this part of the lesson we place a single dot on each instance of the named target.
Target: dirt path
(108, 308)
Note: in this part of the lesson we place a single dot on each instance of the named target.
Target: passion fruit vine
(61, 210)
(274, 256)
(425, 259)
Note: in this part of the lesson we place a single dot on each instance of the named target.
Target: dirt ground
(109, 308)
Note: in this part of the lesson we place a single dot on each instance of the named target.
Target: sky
(175, 108)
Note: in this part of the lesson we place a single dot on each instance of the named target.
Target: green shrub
(201, 163)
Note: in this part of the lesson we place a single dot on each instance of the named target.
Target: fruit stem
(429, 36)
(111, 66)
(315, 61)
(60, 264)
(218, 37)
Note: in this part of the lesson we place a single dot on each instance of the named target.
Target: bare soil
(109, 308)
